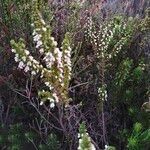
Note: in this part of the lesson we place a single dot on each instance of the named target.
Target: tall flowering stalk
(54, 68)
(107, 43)
(84, 139)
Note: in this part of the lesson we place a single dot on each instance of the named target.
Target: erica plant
(55, 66)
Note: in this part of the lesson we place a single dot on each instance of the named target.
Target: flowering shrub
(109, 86)
(107, 43)
(111, 42)
(84, 139)
(55, 69)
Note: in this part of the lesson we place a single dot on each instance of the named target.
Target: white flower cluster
(102, 93)
(106, 147)
(88, 26)
(55, 57)
(101, 39)
(26, 61)
(94, 39)
(58, 55)
(49, 59)
(52, 99)
(107, 35)
(37, 37)
(67, 61)
(83, 137)
(142, 65)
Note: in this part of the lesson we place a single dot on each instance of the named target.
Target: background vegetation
(108, 101)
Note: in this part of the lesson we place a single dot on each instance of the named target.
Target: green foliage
(52, 143)
(16, 138)
(12, 138)
(16, 15)
(139, 138)
(123, 72)
(73, 19)
(137, 73)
